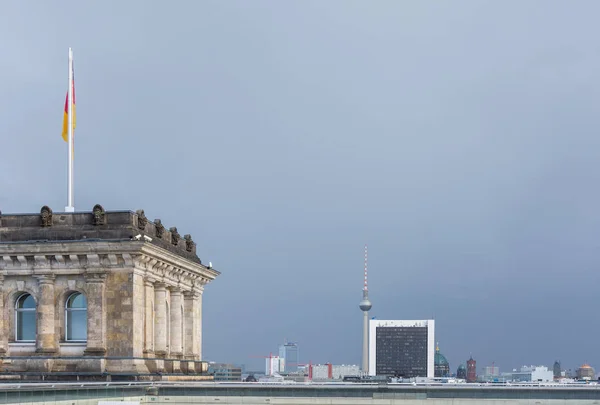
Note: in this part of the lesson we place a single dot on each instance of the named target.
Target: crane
(310, 369)
(270, 357)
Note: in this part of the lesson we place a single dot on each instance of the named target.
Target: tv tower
(365, 306)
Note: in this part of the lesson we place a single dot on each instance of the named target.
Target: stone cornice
(75, 258)
(178, 262)
(173, 270)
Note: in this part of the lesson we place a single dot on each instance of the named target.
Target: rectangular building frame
(377, 323)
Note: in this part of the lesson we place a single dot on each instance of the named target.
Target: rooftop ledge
(95, 225)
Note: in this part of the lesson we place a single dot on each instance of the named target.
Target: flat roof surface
(34, 392)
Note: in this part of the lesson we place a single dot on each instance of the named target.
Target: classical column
(176, 322)
(191, 325)
(160, 319)
(149, 317)
(198, 315)
(46, 336)
(96, 314)
(3, 321)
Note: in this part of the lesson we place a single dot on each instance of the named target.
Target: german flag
(65, 131)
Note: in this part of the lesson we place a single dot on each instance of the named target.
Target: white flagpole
(71, 205)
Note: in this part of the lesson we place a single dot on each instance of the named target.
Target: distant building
(471, 370)
(333, 371)
(274, 365)
(586, 372)
(288, 352)
(568, 373)
(461, 372)
(534, 374)
(491, 371)
(401, 348)
(225, 372)
(556, 369)
(441, 365)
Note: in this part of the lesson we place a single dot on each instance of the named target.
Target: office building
(556, 370)
(491, 371)
(533, 374)
(401, 348)
(225, 372)
(273, 365)
(289, 354)
(323, 372)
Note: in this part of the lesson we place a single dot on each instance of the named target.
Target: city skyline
(458, 140)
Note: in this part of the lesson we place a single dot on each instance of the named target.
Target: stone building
(586, 372)
(99, 295)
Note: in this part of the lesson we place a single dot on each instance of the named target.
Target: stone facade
(142, 285)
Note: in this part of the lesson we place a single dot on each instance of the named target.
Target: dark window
(25, 318)
(76, 317)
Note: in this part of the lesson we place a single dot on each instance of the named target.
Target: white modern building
(402, 348)
(534, 374)
(491, 371)
(333, 371)
(273, 365)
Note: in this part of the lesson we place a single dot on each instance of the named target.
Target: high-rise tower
(365, 306)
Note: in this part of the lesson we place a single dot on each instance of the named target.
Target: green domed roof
(462, 367)
(440, 359)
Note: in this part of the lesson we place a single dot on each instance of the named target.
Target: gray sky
(458, 139)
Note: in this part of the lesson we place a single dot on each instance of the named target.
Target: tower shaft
(365, 349)
(365, 306)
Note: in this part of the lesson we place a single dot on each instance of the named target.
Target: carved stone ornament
(174, 236)
(46, 216)
(189, 243)
(99, 215)
(160, 229)
(142, 220)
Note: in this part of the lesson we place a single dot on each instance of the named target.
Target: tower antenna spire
(366, 287)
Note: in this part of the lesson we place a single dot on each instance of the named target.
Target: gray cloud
(458, 139)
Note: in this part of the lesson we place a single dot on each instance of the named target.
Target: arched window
(25, 318)
(76, 317)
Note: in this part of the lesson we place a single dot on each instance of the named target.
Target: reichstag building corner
(101, 295)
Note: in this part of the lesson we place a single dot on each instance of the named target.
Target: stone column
(193, 325)
(160, 319)
(3, 321)
(176, 323)
(149, 317)
(200, 366)
(198, 316)
(96, 314)
(190, 322)
(46, 337)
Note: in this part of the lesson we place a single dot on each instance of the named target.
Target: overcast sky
(459, 140)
